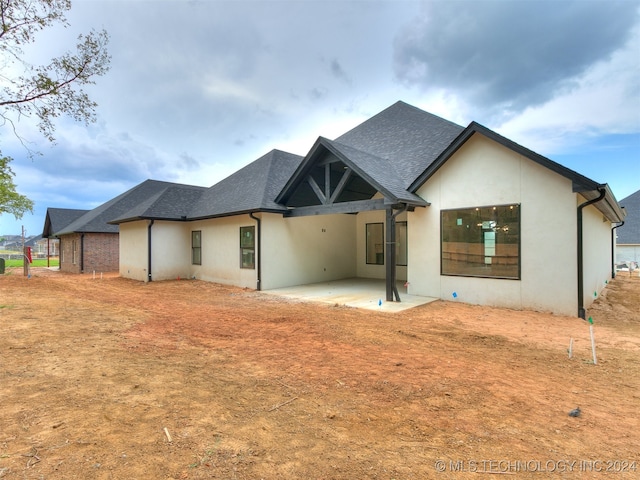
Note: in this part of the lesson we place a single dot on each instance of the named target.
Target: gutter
(581, 309)
(613, 244)
(149, 250)
(259, 251)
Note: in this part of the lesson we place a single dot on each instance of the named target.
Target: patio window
(375, 243)
(196, 247)
(481, 241)
(247, 247)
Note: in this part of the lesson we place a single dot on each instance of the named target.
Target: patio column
(390, 256)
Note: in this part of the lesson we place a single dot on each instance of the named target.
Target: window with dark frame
(196, 247)
(247, 247)
(481, 241)
(375, 243)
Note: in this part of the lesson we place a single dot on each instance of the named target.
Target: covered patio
(353, 292)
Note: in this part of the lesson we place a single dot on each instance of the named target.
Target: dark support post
(390, 254)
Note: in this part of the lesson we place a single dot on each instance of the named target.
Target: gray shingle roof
(409, 138)
(251, 188)
(389, 150)
(140, 199)
(58, 218)
(170, 202)
(380, 172)
(629, 233)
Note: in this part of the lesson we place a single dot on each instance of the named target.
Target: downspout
(259, 263)
(581, 309)
(613, 252)
(82, 253)
(149, 250)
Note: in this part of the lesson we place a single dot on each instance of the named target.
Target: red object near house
(27, 254)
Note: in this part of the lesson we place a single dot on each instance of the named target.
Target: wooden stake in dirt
(166, 432)
(282, 404)
(571, 347)
(593, 341)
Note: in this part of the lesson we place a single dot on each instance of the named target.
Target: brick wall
(101, 252)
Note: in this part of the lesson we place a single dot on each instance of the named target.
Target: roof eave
(278, 211)
(580, 182)
(608, 206)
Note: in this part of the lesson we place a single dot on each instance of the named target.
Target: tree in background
(11, 201)
(47, 91)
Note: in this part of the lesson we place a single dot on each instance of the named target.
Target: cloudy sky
(198, 89)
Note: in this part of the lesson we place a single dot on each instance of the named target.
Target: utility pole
(25, 262)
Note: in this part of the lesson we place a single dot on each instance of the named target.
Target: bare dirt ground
(114, 379)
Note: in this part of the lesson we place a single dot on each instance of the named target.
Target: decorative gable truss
(334, 178)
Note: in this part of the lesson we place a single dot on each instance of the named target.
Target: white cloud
(604, 100)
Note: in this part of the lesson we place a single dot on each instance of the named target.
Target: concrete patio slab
(354, 292)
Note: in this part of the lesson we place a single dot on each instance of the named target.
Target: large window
(247, 247)
(196, 247)
(375, 243)
(481, 241)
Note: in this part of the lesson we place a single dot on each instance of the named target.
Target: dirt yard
(108, 378)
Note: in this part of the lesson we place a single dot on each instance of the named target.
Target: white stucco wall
(133, 250)
(303, 250)
(295, 251)
(597, 252)
(170, 250)
(483, 173)
(221, 251)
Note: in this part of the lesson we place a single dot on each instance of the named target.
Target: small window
(375, 243)
(401, 243)
(481, 241)
(74, 251)
(196, 247)
(247, 247)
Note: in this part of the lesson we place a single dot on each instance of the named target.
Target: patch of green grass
(38, 262)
